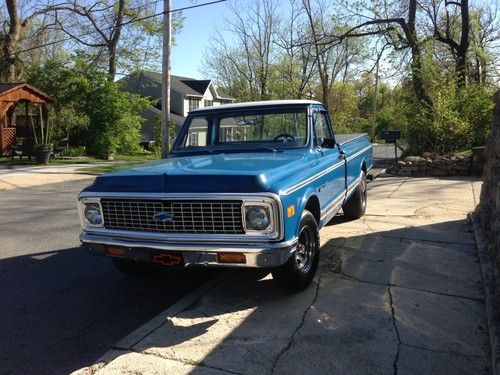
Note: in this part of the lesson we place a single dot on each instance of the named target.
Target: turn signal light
(115, 251)
(231, 258)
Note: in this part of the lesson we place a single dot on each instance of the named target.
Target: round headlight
(257, 217)
(93, 213)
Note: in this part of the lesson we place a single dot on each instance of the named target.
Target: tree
(400, 32)
(453, 31)
(249, 58)
(113, 29)
(17, 24)
(90, 108)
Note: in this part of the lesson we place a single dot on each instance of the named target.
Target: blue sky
(199, 24)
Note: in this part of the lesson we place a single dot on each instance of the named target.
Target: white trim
(358, 153)
(311, 179)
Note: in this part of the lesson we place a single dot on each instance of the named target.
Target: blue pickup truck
(245, 185)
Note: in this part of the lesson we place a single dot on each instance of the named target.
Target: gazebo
(13, 124)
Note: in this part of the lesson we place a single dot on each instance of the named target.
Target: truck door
(331, 184)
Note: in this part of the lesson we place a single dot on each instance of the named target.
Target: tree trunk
(464, 44)
(115, 38)
(11, 40)
(416, 64)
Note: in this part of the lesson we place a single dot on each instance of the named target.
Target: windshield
(258, 128)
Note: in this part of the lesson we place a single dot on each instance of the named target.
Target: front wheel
(300, 269)
(355, 206)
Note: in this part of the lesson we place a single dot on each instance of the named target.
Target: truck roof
(267, 103)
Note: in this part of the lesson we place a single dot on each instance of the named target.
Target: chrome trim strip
(358, 153)
(328, 210)
(262, 255)
(269, 198)
(311, 179)
(352, 186)
(89, 238)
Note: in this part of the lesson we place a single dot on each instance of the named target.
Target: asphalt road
(383, 155)
(60, 307)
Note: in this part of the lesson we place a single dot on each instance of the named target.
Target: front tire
(355, 207)
(298, 272)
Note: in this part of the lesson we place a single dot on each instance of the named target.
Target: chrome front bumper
(261, 255)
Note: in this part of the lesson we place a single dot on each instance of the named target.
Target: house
(186, 94)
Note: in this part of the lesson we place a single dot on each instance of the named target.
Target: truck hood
(213, 173)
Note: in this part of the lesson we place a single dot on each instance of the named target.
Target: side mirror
(328, 143)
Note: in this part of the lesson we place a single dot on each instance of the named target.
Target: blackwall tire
(355, 206)
(301, 268)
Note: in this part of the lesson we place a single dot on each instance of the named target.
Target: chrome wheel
(304, 255)
(362, 190)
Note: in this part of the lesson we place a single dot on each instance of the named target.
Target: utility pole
(374, 109)
(165, 77)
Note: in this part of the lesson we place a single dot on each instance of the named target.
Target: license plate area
(167, 259)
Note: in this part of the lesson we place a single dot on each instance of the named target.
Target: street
(61, 308)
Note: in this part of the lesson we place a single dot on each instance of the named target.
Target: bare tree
(452, 28)
(483, 50)
(249, 58)
(297, 62)
(17, 23)
(398, 24)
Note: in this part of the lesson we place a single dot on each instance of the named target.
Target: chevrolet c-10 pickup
(245, 185)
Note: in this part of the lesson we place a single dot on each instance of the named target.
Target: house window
(208, 103)
(194, 103)
(197, 133)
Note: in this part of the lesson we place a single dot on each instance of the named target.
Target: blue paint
(296, 175)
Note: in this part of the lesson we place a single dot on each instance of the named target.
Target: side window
(197, 134)
(321, 129)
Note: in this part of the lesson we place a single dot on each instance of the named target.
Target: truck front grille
(171, 216)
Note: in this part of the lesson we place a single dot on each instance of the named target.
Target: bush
(92, 110)
(459, 120)
(74, 151)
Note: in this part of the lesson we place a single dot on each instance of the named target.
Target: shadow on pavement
(63, 309)
(382, 302)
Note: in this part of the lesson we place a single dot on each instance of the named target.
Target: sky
(199, 24)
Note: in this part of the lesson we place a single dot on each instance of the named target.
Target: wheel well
(312, 206)
(363, 167)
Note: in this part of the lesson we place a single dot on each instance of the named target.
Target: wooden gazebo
(12, 126)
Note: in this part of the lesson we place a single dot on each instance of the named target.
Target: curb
(140, 333)
(489, 292)
(126, 344)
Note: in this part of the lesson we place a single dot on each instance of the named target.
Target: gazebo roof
(11, 91)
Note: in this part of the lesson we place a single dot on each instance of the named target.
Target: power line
(122, 24)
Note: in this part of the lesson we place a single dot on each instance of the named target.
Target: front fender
(298, 200)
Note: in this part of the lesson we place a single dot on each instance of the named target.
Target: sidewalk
(29, 176)
(398, 291)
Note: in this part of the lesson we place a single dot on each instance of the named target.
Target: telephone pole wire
(165, 76)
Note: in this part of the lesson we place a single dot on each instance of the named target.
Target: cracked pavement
(398, 291)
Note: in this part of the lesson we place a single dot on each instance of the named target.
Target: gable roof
(7, 87)
(148, 84)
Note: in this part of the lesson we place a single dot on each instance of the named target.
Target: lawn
(135, 158)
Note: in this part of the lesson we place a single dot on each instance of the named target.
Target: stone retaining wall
(489, 206)
(432, 165)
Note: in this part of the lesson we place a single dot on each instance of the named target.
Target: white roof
(254, 104)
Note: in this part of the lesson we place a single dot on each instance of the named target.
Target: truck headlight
(90, 212)
(93, 214)
(257, 217)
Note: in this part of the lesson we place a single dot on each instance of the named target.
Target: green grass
(99, 169)
(132, 158)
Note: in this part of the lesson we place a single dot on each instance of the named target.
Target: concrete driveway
(398, 291)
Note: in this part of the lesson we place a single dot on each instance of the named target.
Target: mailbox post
(391, 136)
